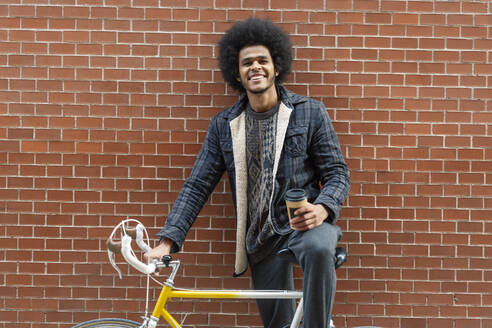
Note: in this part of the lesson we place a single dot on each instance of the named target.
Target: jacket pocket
(296, 141)
(226, 145)
(226, 148)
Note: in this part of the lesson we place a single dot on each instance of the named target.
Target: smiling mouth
(257, 77)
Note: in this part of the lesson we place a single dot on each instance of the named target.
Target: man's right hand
(164, 248)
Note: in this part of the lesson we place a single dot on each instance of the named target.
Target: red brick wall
(104, 105)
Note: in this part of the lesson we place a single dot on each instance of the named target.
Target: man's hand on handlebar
(164, 248)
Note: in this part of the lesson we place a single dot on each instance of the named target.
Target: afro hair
(252, 32)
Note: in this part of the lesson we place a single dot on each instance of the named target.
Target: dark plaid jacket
(309, 158)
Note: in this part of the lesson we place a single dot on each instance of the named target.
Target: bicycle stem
(174, 265)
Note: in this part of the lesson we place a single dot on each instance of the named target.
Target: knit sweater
(261, 129)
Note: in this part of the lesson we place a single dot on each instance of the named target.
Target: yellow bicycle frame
(168, 292)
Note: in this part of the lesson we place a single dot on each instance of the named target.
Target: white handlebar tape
(140, 240)
(127, 253)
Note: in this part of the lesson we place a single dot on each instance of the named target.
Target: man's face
(256, 69)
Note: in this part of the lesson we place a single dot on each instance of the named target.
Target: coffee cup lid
(295, 194)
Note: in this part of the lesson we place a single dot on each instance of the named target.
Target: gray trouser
(315, 253)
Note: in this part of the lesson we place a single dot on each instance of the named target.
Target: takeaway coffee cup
(294, 199)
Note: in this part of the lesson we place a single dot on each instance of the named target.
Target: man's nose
(255, 65)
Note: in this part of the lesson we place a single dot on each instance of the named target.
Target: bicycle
(169, 291)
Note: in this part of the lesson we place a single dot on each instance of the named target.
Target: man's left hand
(309, 217)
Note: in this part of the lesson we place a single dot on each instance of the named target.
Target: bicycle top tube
(235, 294)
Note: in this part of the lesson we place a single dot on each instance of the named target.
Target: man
(270, 141)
